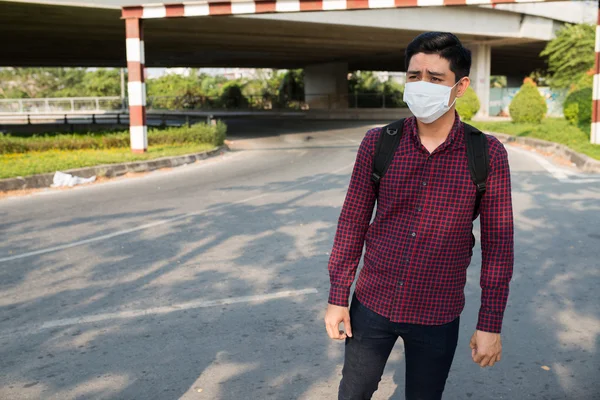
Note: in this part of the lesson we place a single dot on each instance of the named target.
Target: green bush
(193, 134)
(468, 105)
(232, 96)
(578, 107)
(528, 105)
(365, 90)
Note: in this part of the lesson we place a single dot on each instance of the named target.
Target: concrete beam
(476, 21)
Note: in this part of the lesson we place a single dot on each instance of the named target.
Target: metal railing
(98, 105)
(62, 105)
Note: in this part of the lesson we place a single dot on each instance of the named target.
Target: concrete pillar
(326, 86)
(136, 87)
(481, 69)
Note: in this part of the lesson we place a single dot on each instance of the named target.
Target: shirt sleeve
(497, 240)
(353, 223)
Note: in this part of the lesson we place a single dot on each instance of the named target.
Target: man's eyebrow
(435, 73)
(413, 72)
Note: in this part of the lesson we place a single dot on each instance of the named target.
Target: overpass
(325, 37)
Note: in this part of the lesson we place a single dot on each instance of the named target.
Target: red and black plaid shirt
(420, 243)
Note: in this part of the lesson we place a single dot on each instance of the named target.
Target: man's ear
(462, 86)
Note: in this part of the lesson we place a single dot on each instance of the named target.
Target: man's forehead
(432, 61)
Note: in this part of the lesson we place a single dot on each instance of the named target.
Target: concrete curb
(583, 162)
(108, 170)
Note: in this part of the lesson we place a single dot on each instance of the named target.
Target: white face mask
(428, 101)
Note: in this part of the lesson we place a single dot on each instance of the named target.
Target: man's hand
(333, 317)
(486, 348)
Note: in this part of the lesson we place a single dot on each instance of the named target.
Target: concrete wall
(326, 86)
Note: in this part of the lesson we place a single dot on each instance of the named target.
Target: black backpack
(477, 154)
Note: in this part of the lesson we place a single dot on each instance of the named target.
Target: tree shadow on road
(256, 350)
(278, 349)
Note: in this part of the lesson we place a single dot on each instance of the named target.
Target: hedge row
(193, 134)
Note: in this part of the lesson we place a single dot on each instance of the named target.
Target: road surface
(210, 282)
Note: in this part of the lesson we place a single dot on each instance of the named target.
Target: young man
(420, 243)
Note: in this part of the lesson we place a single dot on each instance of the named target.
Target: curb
(583, 162)
(108, 170)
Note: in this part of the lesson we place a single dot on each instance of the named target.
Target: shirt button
(401, 283)
(419, 209)
(413, 234)
(424, 183)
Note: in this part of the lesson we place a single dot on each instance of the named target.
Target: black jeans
(429, 351)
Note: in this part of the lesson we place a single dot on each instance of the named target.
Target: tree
(291, 87)
(570, 55)
(37, 82)
(59, 82)
(369, 91)
(497, 81)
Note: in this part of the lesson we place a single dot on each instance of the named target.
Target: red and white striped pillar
(596, 90)
(136, 87)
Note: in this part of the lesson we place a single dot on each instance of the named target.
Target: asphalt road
(210, 282)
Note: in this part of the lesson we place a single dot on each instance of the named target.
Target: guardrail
(86, 105)
(61, 105)
(154, 118)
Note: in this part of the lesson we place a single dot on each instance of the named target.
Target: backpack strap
(478, 156)
(387, 144)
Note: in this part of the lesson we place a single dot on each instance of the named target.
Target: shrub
(232, 96)
(468, 105)
(194, 134)
(578, 106)
(528, 104)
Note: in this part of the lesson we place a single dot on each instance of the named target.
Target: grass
(38, 154)
(197, 133)
(556, 130)
(31, 163)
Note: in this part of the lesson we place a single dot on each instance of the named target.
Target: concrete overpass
(90, 33)
(334, 37)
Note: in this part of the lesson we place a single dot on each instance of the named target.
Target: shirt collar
(453, 141)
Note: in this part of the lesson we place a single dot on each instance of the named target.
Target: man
(420, 243)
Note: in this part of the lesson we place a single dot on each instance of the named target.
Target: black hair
(447, 46)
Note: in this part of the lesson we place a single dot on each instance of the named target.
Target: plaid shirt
(420, 243)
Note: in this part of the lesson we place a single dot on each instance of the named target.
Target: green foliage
(58, 82)
(101, 82)
(367, 91)
(571, 54)
(528, 105)
(194, 134)
(291, 88)
(270, 89)
(498, 81)
(468, 105)
(232, 96)
(175, 92)
(578, 106)
(26, 164)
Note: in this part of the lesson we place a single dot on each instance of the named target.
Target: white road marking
(161, 222)
(33, 329)
(555, 171)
